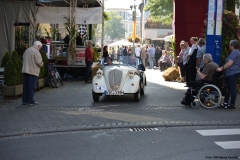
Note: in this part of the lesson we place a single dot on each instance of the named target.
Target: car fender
(99, 84)
(131, 84)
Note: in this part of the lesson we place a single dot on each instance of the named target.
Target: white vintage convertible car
(119, 78)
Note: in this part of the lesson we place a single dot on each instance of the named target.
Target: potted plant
(6, 59)
(137, 39)
(13, 78)
(43, 74)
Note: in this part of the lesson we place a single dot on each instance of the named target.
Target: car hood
(124, 69)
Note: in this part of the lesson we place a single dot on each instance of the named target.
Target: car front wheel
(95, 96)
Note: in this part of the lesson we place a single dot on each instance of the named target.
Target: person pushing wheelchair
(205, 76)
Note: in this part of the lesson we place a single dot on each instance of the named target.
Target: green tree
(43, 69)
(230, 5)
(18, 65)
(113, 27)
(160, 11)
(10, 73)
(6, 59)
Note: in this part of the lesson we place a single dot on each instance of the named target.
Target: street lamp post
(134, 25)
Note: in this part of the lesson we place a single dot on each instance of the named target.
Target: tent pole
(102, 40)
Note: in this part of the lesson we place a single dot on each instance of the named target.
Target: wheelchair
(207, 93)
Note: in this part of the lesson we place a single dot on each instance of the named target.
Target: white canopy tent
(120, 43)
(167, 38)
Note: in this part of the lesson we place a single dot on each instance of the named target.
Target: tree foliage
(10, 73)
(106, 16)
(160, 10)
(6, 59)
(43, 70)
(113, 27)
(231, 4)
(18, 65)
(230, 31)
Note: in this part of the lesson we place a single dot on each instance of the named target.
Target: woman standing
(232, 73)
(105, 52)
(180, 62)
(192, 58)
(144, 55)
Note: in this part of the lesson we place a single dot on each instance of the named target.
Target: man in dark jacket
(158, 54)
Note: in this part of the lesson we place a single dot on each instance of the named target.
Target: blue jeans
(29, 86)
(88, 70)
(231, 82)
(151, 62)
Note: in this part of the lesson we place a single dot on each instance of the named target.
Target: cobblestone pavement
(71, 108)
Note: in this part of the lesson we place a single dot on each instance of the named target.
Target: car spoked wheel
(137, 95)
(95, 96)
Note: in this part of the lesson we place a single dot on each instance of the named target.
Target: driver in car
(132, 61)
(108, 60)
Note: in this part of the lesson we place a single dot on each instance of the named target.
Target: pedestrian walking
(144, 55)
(105, 52)
(151, 54)
(137, 51)
(181, 68)
(185, 63)
(88, 61)
(118, 53)
(232, 73)
(158, 54)
(200, 53)
(32, 62)
(192, 58)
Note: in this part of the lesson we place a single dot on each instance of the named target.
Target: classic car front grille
(115, 78)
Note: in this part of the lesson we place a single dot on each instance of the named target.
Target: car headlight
(99, 73)
(130, 73)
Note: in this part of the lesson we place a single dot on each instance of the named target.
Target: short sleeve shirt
(200, 53)
(235, 67)
(209, 69)
(185, 55)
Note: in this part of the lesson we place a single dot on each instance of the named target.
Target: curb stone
(61, 129)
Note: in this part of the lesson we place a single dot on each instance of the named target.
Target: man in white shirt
(32, 62)
(137, 51)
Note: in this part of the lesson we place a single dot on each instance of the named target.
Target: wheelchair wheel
(194, 104)
(209, 96)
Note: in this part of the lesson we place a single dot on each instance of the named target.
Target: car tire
(137, 95)
(142, 89)
(95, 96)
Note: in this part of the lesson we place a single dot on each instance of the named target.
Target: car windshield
(122, 60)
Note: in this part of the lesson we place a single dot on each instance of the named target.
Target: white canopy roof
(167, 38)
(120, 43)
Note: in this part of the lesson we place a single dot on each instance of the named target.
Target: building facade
(153, 32)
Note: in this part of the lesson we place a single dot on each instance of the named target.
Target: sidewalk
(71, 108)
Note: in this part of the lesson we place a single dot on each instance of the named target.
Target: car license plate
(109, 92)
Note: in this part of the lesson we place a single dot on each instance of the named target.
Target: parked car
(119, 78)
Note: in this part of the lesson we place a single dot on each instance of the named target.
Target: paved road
(180, 143)
(71, 108)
